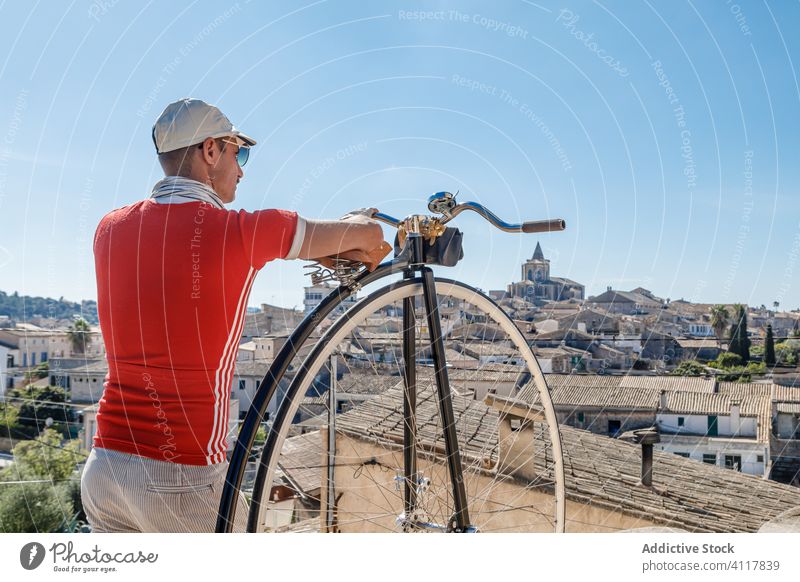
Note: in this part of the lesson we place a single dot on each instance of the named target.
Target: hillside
(24, 307)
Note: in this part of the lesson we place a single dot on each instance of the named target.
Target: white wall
(3, 371)
(698, 424)
(86, 388)
(501, 359)
(546, 326)
(244, 398)
(748, 451)
(701, 329)
(268, 347)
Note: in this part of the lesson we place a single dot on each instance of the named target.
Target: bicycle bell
(442, 202)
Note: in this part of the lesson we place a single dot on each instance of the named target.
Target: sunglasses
(241, 156)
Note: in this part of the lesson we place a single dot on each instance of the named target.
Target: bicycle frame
(409, 260)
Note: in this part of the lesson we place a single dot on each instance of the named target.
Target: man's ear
(210, 151)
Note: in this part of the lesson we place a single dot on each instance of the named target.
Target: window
(710, 458)
(681, 420)
(685, 455)
(241, 384)
(759, 458)
(733, 462)
(581, 418)
(44, 357)
(614, 427)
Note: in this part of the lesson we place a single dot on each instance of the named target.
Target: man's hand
(370, 259)
(355, 237)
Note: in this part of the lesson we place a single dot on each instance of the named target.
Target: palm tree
(78, 334)
(719, 321)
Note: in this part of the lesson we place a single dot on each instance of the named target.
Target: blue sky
(664, 133)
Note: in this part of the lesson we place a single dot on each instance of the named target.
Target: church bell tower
(537, 268)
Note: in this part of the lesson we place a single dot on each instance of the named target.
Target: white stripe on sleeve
(299, 236)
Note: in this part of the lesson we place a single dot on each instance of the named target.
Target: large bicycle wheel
(334, 460)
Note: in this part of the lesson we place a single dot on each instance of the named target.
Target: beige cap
(190, 121)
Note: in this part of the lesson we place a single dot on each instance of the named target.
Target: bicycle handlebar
(452, 210)
(544, 225)
(385, 218)
(527, 227)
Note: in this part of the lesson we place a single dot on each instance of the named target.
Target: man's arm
(356, 238)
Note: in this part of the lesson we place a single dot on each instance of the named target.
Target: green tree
(261, 436)
(689, 368)
(769, 347)
(785, 353)
(46, 458)
(740, 343)
(40, 371)
(727, 360)
(719, 321)
(34, 507)
(8, 419)
(38, 403)
(78, 335)
(36, 492)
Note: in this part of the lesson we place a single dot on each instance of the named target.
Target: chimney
(608, 288)
(735, 422)
(662, 400)
(647, 464)
(646, 437)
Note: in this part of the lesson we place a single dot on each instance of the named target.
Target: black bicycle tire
(269, 385)
(281, 417)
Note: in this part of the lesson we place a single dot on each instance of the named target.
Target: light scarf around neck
(177, 189)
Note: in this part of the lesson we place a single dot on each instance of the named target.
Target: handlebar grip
(544, 225)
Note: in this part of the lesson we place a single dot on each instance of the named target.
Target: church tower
(537, 268)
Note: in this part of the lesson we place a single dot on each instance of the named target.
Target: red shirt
(172, 288)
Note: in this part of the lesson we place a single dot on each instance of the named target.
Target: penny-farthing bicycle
(401, 414)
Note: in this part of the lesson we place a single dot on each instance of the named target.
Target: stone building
(506, 466)
(637, 302)
(537, 285)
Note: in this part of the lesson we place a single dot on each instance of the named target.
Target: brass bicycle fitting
(429, 227)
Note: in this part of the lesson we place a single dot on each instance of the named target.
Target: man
(174, 273)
